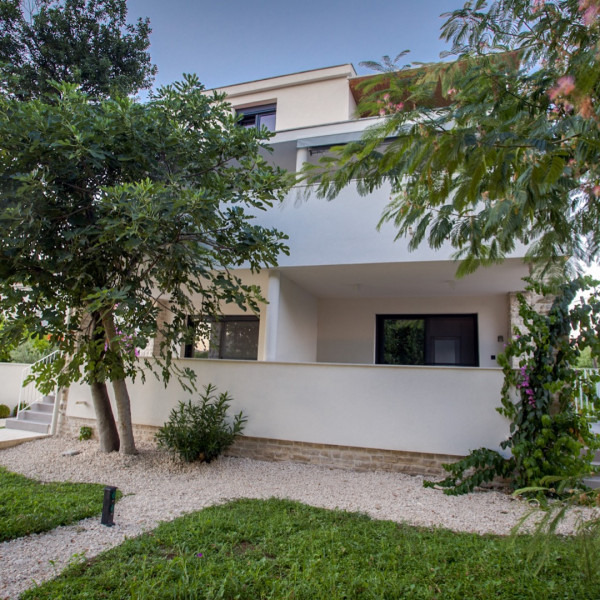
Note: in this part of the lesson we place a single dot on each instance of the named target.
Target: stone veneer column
(162, 317)
(541, 304)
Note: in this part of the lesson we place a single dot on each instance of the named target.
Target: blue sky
(230, 41)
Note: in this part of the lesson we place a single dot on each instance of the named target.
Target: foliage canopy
(107, 206)
(498, 148)
(88, 42)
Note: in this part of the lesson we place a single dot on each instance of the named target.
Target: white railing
(582, 402)
(28, 393)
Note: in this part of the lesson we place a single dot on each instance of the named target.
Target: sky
(230, 41)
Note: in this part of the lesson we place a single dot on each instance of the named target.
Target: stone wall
(326, 455)
(541, 304)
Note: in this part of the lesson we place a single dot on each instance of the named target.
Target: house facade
(365, 354)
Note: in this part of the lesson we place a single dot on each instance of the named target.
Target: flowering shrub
(549, 436)
(201, 431)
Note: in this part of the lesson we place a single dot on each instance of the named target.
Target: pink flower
(538, 5)
(382, 112)
(590, 10)
(564, 86)
(386, 97)
(596, 190)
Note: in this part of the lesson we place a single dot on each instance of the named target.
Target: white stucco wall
(417, 409)
(297, 324)
(10, 376)
(344, 230)
(347, 326)
(302, 99)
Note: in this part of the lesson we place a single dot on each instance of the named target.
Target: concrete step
(37, 418)
(42, 407)
(27, 425)
(35, 415)
(592, 482)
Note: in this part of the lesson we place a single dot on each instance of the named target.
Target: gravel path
(157, 488)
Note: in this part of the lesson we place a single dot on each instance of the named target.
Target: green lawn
(28, 506)
(280, 549)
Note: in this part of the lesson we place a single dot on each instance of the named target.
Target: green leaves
(115, 203)
(87, 42)
(504, 141)
(549, 434)
(201, 431)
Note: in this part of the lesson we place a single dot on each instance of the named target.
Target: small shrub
(4, 411)
(200, 431)
(85, 433)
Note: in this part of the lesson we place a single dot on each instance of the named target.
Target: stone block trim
(70, 427)
(345, 457)
(326, 455)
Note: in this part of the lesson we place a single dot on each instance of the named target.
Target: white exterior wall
(297, 324)
(303, 99)
(347, 326)
(344, 230)
(11, 374)
(415, 409)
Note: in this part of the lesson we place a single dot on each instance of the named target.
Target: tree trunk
(121, 393)
(107, 429)
(124, 412)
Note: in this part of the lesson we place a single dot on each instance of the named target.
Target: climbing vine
(549, 434)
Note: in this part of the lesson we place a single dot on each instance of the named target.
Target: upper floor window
(427, 340)
(258, 116)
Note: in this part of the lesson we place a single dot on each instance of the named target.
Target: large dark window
(258, 116)
(228, 337)
(427, 340)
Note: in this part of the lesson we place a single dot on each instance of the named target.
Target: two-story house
(366, 355)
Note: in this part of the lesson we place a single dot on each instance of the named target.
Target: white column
(272, 317)
(301, 158)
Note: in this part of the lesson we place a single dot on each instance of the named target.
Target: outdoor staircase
(37, 418)
(594, 482)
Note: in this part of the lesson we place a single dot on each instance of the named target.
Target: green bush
(31, 350)
(201, 431)
(85, 433)
(4, 411)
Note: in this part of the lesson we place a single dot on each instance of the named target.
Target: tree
(105, 206)
(88, 42)
(500, 147)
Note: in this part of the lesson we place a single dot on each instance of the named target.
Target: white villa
(366, 355)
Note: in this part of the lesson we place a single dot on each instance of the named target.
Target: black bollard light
(108, 506)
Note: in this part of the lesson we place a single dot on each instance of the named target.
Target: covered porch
(330, 313)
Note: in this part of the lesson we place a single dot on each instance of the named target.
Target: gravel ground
(157, 488)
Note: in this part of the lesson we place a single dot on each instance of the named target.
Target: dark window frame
(380, 341)
(190, 348)
(252, 115)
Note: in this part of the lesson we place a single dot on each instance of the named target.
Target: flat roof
(350, 67)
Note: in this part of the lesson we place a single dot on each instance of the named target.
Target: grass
(251, 549)
(28, 506)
